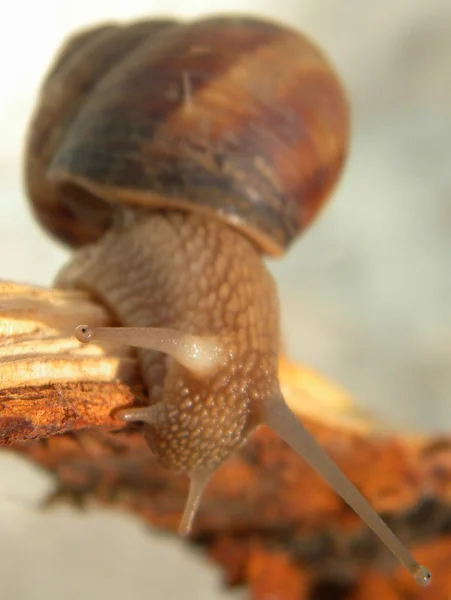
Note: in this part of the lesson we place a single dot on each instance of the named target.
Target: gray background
(365, 294)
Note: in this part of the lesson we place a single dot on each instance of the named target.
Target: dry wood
(265, 511)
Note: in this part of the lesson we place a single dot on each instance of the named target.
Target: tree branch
(265, 511)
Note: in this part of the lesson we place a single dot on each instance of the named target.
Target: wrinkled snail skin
(178, 155)
(202, 278)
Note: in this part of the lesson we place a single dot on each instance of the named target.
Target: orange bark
(270, 521)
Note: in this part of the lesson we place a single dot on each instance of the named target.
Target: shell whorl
(238, 118)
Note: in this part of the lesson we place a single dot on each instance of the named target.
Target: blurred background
(365, 294)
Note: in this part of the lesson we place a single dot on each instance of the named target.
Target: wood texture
(267, 519)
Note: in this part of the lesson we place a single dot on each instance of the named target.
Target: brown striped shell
(236, 117)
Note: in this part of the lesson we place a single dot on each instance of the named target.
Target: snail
(173, 157)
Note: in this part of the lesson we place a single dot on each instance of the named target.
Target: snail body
(181, 154)
(209, 283)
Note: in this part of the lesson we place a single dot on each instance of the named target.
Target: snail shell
(234, 117)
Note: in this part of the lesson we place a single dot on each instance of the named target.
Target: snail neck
(180, 270)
